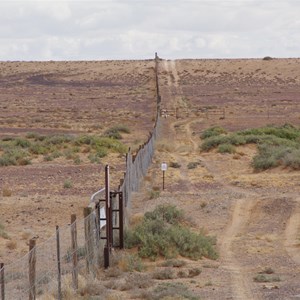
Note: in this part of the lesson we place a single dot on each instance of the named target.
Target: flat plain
(254, 215)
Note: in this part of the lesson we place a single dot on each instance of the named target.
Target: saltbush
(161, 233)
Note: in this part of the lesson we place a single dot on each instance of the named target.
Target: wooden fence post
(74, 251)
(32, 269)
(58, 264)
(88, 238)
(2, 281)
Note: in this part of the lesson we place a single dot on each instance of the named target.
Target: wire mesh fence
(53, 267)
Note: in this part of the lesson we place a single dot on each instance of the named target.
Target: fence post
(97, 233)
(74, 251)
(88, 238)
(2, 281)
(58, 264)
(121, 221)
(32, 269)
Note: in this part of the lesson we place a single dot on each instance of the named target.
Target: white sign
(164, 167)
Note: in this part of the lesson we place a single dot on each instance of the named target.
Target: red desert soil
(255, 216)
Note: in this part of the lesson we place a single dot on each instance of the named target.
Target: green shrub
(113, 133)
(277, 145)
(226, 148)
(193, 165)
(292, 159)
(68, 184)
(153, 194)
(167, 213)
(23, 143)
(121, 128)
(266, 278)
(213, 131)
(175, 263)
(58, 139)
(172, 290)
(161, 234)
(174, 165)
(163, 274)
(3, 233)
(212, 142)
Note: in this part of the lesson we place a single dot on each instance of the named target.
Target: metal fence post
(32, 269)
(74, 251)
(2, 282)
(58, 264)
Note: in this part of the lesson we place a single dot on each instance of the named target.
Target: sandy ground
(255, 216)
(72, 98)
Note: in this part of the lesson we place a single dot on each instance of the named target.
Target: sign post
(164, 168)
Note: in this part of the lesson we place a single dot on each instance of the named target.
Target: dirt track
(255, 216)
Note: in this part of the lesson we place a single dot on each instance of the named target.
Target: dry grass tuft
(11, 245)
(27, 234)
(165, 146)
(6, 192)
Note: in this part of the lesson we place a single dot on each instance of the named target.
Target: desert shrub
(153, 194)
(174, 165)
(163, 274)
(84, 140)
(14, 156)
(292, 159)
(175, 263)
(193, 165)
(171, 290)
(93, 158)
(58, 139)
(101, 152)
(267, 58)
(130, 263)
(6, 192)
(277, 145)
(226, 148)
(213, 131)
(194, 272)
(212, 142)
(23, 143)
(121, 128)
(3, 233)
(161, 233)
(112, 133)
(32, 135)
(38, 148)
(167, 213)
(68, 184)
(266, 278)
(267, 270)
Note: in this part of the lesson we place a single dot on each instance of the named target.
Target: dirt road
(255, 216)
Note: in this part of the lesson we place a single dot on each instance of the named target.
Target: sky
(136, 29)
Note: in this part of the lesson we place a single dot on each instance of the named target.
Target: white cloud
(112, 29)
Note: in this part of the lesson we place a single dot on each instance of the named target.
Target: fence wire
(55, 274)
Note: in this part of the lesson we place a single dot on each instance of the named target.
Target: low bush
(193, 165)
(161, 233)
(174, 165)
(3, 233)
(163, 274)
(68, 184)
(266, 278)
(175, 263)
(171, 290)
(20, 151)
(213, 131)
(277, 145)
(226, 148)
